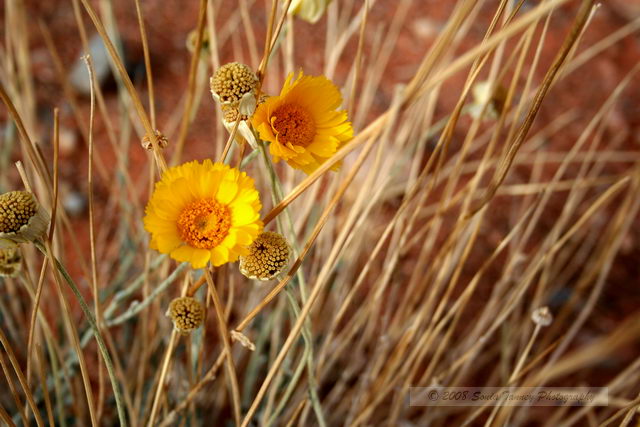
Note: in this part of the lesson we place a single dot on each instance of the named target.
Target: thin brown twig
(550, 77)
(227, 145)
(159, 157)
(191, 85)
(224, 335)
(92, 237)
(147, 64)
(21, 378)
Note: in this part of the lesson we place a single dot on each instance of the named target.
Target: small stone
(74, 203)
(68, 141)
(79, 77)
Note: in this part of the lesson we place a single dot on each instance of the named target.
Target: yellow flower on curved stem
(201, 212)
(302, 123)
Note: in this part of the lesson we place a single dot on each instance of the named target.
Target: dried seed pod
(243, 340)
(22, 219)
(162, 141)
(186, 313)
(268, 256)
(542, 316)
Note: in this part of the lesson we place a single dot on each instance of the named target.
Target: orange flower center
(204, 224)
(293, 124)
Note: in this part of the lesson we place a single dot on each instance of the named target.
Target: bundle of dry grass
(323, 237)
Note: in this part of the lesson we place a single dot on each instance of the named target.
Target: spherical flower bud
(10, 262)
(22, 219)
(542, 316)
(235, 84)
(186, 313)
(162, 141)
(268, 256)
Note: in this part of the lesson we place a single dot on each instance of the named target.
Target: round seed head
(10, 259)
(232, 81)
(268, 256)
(231, 114)
(186, 313)
(22, 219)
(542, 316)
(16, 208)
(162, 141)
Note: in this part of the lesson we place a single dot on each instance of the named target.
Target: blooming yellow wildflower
(302, 123)
(201, 212)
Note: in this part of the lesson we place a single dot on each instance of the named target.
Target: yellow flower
(201, 212)
(302, 123)
(309, 10)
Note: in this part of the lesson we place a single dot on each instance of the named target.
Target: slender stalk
(191, 87)
(147, 65)
(276, 193)
(96, 332)
(226, 341)
(163, 374)
(92, 231)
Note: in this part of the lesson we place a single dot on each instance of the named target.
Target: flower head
(268, 256)
(186, 313)
(201, 212)
(309, 10)
(302, 123)
(22, 219)
(10, 259)
(235, 85)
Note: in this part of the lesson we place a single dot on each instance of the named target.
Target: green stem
(96, 332)
(298, 372)
(306, 330)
